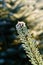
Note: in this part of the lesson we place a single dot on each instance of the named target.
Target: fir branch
(29, 44)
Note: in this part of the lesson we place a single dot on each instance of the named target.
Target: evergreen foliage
(29, 44)
(14, 50)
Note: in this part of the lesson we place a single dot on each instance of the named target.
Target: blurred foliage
(12, 11)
